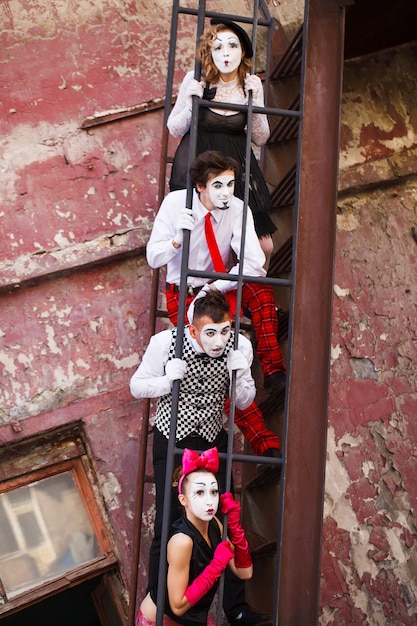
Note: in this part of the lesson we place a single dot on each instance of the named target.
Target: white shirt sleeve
(159, 249)
(150, 380)
(245, 388)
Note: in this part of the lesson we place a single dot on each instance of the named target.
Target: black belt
(192, 291)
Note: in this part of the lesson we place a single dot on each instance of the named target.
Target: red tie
(218, 263)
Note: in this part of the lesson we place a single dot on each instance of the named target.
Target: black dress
(226, 133)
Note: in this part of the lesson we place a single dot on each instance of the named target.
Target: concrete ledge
(372, 173)
(33, 268)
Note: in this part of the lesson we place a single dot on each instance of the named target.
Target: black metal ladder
(264, 480)
(284, 89)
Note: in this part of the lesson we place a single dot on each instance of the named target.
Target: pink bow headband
(191, 461)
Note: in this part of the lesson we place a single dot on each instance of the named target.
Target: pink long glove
(236, 533)
(204, 582)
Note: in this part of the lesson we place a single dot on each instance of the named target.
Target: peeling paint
(341, 293)
(347, 222)
(378, 117)
(370, 531)
(111, 488)
(336, 351)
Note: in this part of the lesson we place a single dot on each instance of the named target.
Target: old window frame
(59, 451)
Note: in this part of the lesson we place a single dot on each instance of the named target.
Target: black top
(201, 556)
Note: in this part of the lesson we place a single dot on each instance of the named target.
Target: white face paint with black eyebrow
(214, 337)
(220, 191)
(227, 53)
(203, 495)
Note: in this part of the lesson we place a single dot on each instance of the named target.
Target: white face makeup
(227, 53)
(203, 495)
(221, 191)
(214, 337)
(218, 192)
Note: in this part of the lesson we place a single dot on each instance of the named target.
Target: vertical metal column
(303, 493)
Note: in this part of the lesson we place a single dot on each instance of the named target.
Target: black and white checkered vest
(203, 392)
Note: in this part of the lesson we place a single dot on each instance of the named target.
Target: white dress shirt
(227, 226)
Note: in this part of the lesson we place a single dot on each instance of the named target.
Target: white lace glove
(237, 361)
(254, 84)
(175, 369)
(195, 88)
(185, 222)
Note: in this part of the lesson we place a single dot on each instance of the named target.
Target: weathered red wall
(76, 209)
(370, 528)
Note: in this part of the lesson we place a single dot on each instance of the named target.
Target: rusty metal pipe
(311, 327)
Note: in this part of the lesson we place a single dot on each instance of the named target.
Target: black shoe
(249, 617)
(274, 382)
(272, 453)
